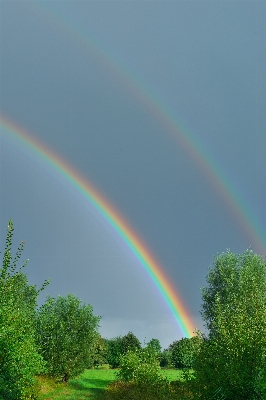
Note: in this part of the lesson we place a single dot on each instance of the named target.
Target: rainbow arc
(110, 215)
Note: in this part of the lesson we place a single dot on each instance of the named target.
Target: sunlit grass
(172, 374)
(87, 386)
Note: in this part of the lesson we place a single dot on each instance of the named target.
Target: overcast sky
(92, 80)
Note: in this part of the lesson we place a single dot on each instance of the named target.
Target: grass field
(87, 386)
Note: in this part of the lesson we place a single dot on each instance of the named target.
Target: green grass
(87, 386)
(171, 374)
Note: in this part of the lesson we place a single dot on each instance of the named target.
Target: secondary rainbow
(111, 216)
(239, 209)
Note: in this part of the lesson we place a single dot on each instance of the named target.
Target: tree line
(61, 338)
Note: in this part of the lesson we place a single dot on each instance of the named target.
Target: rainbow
(111, 216)
(240, 211)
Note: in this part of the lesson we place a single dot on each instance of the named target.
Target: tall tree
(20, 361)
(66, 332)
(231, 361)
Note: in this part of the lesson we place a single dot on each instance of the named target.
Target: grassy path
(87, 386)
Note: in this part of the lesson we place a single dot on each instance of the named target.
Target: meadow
(89, 385)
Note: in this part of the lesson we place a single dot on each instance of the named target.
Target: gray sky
(72, 74)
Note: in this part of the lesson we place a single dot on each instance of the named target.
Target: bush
(141, 366)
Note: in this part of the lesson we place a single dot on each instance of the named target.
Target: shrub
(141, 366)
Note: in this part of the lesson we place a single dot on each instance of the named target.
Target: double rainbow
(239, 209)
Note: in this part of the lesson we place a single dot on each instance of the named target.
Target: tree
(166, 359)
(66, 331)
(118, 346)
(155, 344)
(231, 360)
(98, 352)
(114, 351)
(20, 361)
(129, 343)
(183, 351)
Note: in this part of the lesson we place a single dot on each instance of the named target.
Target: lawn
(87, 386)
(172, 374)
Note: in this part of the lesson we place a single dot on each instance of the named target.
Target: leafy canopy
(231, 359)
(66, 332)
(183, 352)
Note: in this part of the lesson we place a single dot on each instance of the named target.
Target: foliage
(141, 366)
(231, 361)
(183, 351)
(118, 346)
(19, 358)
(98, 352)
(155, 344)
(166, 359)
(114, 351)
(66, 331)
(129, 343)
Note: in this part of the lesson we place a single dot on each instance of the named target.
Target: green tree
(129, 343)
(231, 360)
(166, 359)
(183, 352)
(20, 361)
(114, 351)
(118, 346)
(155, 344)
(98, 352)
(66, 332)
